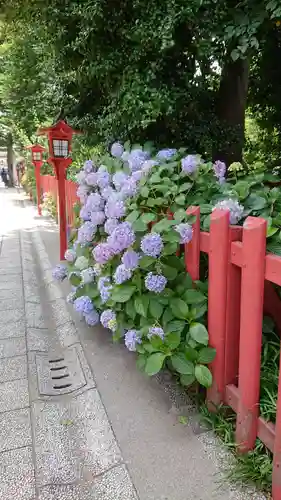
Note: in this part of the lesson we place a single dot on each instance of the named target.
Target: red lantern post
(60, 138)
(37, 160)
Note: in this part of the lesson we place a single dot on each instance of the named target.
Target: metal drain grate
(59, 375)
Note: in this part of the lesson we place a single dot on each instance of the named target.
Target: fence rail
(49, 185)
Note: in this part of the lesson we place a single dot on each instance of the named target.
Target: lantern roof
(36, 148)
(59, 129)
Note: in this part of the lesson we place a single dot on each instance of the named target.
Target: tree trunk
(10, 159)
(231, 105)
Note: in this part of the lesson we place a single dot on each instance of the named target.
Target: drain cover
(59, 374)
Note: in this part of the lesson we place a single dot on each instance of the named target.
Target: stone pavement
(77, 421)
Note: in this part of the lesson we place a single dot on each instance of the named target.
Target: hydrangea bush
(125, 264)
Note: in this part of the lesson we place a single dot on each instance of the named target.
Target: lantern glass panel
(60, 148)
(36, 156)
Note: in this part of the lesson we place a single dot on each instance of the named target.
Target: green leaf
(163, 225)
(182, 365)
(271, 231)
(206, 223)
(187, 379)
(199, 333)
(167, 316)
(175, 326)
(179, 308)
(173, 340)
(154, 363)
(122, 293)
(256, 202)
(191, 354)
(170, 272)
(235, 55)
(206, 355)
(133, 216)
(146, 261)
(180, 215)
(141, 362)
(144, 192)
(205, 208)
(155, 308)
(193, 296)
(130, 309)
(180, 200)
(139, 226)
(148, 217)
(141, 305)
(185, 187)
(170, 248)
(171, 236)
(74, 279)
(203, 375)
(199, 311)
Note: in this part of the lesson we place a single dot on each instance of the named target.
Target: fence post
(218, 265)
(232, 321)
(252, 291)
(276, 473)
(192, 249)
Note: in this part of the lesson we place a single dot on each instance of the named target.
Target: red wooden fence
(240, 290)
(49, 185)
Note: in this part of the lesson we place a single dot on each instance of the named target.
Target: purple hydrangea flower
(94, 202)
(129, 188)
(117, 149)
(88, 275)
(115, 209)
(148, 165)
(220, 170)
(110, 225)
(235, 209)
(108, 319)
(85, 214)
(122, 237)
(122, 274)
(136, 159)
(132, 338)
(102, 253)
(59, 272)
(81, 177)
(83, 305)
(159, 332)
(166, 154)
(70, 255)
(130, 260)
(92, 318)
(155, 282)
(104, 287)
(103, 177)
(82, 192)
(88, 166)
(190, 163)
(107, 192)
(86, 233)
(185, 231)
(98, 217)
(152, 245)
(118, 179)
(137, 175)
(91, 179)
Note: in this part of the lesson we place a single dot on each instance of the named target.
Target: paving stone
(67, 334)
(113, 485)
(11, 316)
(38, 339)
(15, 346)
(12, 329)
(15, 429)
(59, 312)
(10, 282)
(17, 475)
(34, 315)
(11, 303)
(13, 368)
(11, 294)
(32, 292)
(73, 439)
(12, 269)
(14, 395)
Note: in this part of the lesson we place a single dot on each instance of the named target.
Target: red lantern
(59, 139)
(37, 160)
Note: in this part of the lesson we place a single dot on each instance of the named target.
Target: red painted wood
(266, 430)
(232, 322)
(38, 189)
(204, 242)
(192, 249)
(218, 265)
(276, 473)
(62, 215)
(252, 289)
(273, 269)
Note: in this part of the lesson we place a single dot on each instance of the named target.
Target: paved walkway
(77, 420)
